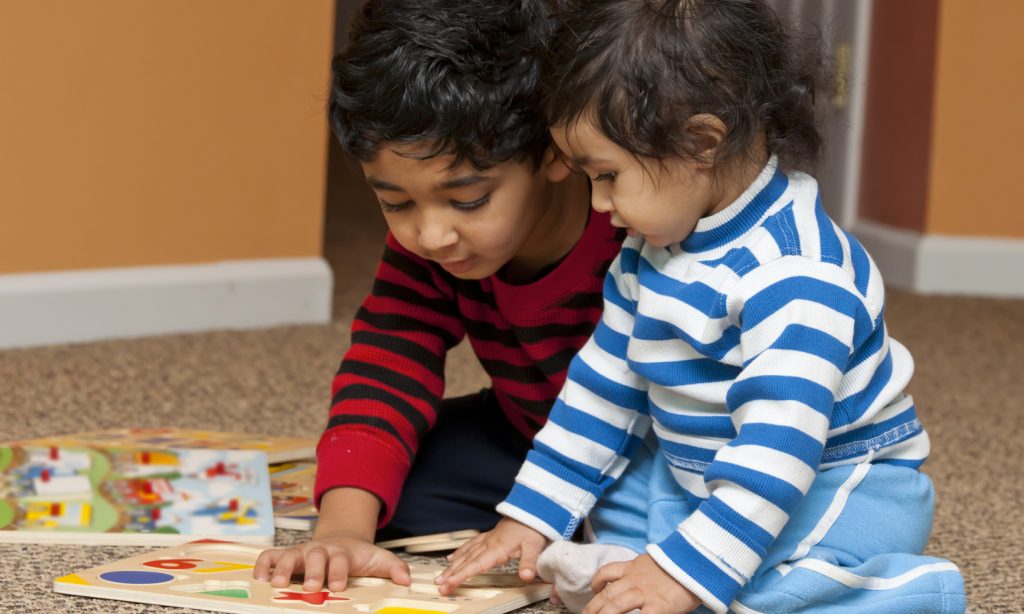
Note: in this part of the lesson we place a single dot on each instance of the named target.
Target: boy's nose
(435, 234)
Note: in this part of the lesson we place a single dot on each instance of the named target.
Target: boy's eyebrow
(458, 182)
(461, 182)
(383, 185)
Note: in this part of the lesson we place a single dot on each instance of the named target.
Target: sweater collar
(743, 214)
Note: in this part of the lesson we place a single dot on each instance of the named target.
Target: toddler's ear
(709, 131)
(554, 166)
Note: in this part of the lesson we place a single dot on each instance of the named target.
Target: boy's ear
(708, 131)
(553, 165)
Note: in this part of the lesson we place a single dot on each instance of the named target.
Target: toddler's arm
(508, 540)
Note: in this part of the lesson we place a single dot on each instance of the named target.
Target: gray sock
(571, 568)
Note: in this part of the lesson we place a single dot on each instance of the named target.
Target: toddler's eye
(606, 177)
(387, 207)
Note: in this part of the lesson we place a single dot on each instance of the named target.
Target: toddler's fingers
(607, 573)
(529, 553)
(463, 550)
(470, 554)
(555, 599)
(458, 573)
(607, 602)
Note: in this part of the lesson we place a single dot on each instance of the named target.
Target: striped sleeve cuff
(539, 512)
(548, 496)
(707, 577)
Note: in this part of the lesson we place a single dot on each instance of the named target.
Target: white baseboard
(76, 306)
(942, 264)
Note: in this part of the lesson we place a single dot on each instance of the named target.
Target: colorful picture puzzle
(277, 449)
(217, 576)
(291, 487)
(147, 496)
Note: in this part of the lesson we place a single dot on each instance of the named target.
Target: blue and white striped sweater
(757, 351)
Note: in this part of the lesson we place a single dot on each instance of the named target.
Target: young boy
(491, 236)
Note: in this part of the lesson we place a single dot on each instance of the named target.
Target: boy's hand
(332, 556)
(508, 540)
(639, 584)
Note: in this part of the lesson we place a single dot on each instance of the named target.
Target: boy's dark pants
(465, 466)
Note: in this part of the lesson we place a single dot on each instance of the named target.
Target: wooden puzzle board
(291, 488)
(146, 496)
(277, 449)
(217, 576)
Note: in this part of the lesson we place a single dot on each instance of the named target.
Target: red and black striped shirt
(391, 380)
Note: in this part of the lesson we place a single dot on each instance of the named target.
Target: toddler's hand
(640, 584)
(334, 556)
(508, 540)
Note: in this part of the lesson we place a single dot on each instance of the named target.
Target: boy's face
(470, 221)
(661, 201)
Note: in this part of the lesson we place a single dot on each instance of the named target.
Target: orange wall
(978, 136)
(159, 132)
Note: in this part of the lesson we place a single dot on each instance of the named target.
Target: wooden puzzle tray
(217, 576)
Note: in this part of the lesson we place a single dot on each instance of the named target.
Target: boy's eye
(473, 204)
(387, 207)
(606, 177)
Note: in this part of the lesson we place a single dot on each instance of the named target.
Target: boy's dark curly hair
(644, 68)
(462, 76)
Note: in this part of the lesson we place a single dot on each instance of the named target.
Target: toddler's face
(470, 221)
(661, 200)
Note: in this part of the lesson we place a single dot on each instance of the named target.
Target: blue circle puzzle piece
(136, 577)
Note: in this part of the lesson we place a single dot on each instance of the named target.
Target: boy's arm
(342, 546)
(799, 322)
(596, 424)
(391, 381)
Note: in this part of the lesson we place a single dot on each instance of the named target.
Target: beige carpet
(969, 385)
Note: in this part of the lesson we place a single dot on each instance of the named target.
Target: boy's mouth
(456, 267)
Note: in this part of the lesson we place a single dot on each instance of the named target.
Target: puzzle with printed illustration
(217, 576)
(277, 449)
(146, 496)
(291, 486)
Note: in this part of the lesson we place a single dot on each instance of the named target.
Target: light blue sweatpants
(853, 545)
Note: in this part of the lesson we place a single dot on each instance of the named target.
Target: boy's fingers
(284, 568)
(337, 572)
(399, 572)
(315, 564)
(261, 570)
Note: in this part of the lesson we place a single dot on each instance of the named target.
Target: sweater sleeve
(799, 321)
(595, 425)
(391, 381)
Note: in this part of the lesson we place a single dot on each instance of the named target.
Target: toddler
(736, 430)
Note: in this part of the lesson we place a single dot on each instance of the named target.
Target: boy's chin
(473, 272)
